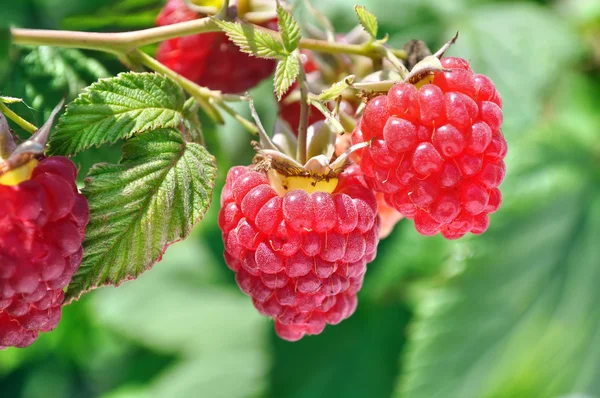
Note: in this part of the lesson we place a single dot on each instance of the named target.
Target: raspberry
(42, 226)
(301, 256)
(389, 215)
(437, 152)
(210, 59)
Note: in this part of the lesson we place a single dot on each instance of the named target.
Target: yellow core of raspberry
(243, 7)
(283, 184)
(209, 3)
(426, 80)
(18, 175)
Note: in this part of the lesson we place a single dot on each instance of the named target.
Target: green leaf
(251, 40)
(547, 46)
(336, 89)
(122, 15)
(288, 28)
(356, 359)
(43, 76)
(522, 320)
(68, 68)
(161, 189)
(208, 325)
(5, 43)
(193, 126)
(118, 108)
(367, 20)
(285, 74)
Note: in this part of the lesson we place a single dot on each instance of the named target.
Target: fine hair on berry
(302, 256)
(437, 151)
(42, 226)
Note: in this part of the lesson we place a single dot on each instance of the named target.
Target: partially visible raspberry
(389, 215)
(210, 59)
(42, 225)
(437, 151)
(302, 256)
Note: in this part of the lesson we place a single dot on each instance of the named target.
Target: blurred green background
(512, 313)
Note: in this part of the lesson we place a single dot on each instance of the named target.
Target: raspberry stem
(303, 126)
(201, 94)
(247, 124)
(395, 60)
(191, 87)
(115, 43)
(24, 124)
(125, 46)
(124, 42)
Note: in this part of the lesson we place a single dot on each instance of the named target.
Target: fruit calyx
(422, 69)
(277, 158)
(255, 12)
(17, 162)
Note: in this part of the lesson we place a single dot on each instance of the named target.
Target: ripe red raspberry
(389, 215)
(210, 59)
(437, 151)
(302, 256)
(42, 225)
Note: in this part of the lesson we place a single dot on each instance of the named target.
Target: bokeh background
(512, 313)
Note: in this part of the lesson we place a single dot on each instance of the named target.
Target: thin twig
(24, 124)
(303, 126)
(124, 42)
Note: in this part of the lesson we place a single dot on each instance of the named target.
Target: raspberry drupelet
(210, 59)
(42, 226)
(437, 151)
(301, 254)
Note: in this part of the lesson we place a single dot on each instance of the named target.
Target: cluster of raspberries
(435, 154)
(42, 226)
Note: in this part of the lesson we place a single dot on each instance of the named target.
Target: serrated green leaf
(118, 108)
(522, 319)
(69, 69)
(288, 28)
(285, 74)
(367, 19)
(193, 126)
(252, 41)
(336, 89)
(43, 76)
(161, 189)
